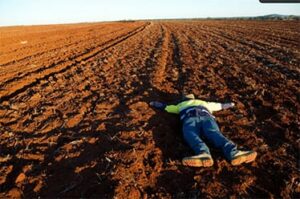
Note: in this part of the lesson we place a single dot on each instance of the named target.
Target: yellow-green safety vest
(210, 106)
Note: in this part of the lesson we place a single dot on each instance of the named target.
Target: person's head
(188, 97)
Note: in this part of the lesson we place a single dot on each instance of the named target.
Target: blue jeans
(205, 126)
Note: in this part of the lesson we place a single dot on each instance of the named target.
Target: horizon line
(149, 19)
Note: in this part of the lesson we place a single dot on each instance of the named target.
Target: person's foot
(243, 157)
(201, 160)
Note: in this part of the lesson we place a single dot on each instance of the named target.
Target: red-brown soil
(75, 119)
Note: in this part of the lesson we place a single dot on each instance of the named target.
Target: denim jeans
(205, 126)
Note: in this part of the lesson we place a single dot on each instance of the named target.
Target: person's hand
(157, 104)
(228, 105)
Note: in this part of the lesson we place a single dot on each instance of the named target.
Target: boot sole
(198, 162)
(245, 158)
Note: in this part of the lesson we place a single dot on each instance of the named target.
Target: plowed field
(75, 119)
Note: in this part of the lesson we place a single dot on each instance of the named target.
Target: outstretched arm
(164, 106)
(228, 105)
(215, 106)
(158, 105)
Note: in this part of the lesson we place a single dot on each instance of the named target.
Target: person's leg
(212, 133)
(191, 132)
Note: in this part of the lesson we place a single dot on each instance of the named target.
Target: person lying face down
(198, 121)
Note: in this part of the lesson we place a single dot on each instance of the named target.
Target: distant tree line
(266, 17)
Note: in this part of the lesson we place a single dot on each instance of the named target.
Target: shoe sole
(245, 158)
(198, 162)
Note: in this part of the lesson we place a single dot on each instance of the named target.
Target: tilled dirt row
(30, 45)
(31, 75)
(79, 124)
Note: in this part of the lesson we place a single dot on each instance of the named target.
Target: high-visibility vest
(210, 106)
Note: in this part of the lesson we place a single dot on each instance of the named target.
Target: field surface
(75, 119)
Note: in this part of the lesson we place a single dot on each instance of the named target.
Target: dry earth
(75, 119)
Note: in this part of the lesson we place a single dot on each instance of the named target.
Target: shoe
(202, 160)
(243, 157)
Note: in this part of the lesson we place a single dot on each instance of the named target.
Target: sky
(32, 12)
